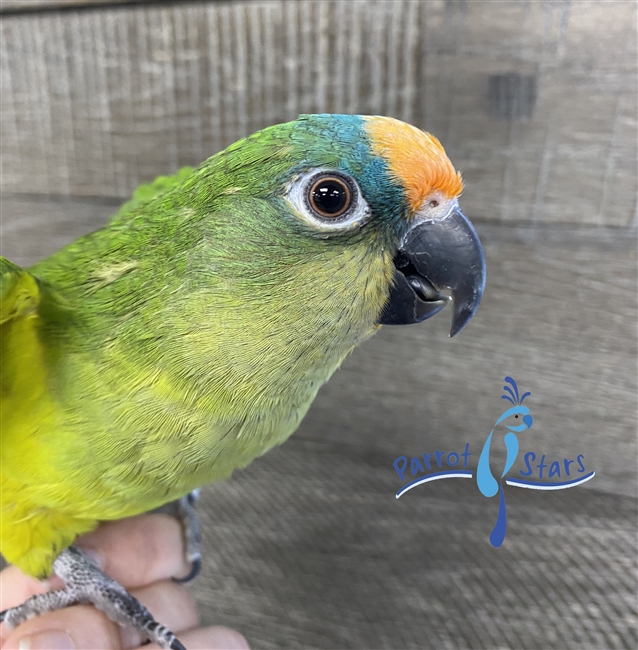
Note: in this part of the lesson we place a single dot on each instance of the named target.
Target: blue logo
(516, 419)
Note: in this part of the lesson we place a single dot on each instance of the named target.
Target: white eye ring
(355, 216)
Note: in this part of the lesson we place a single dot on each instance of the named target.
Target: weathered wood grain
(308, 547)
(96, 102)
(34, 5)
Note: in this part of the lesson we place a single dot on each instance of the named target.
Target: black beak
(433, 256)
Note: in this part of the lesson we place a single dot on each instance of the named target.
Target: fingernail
(95, 555)
(49, 640)
(52, 583)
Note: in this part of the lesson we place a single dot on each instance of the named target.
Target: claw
(196, 567)
(187, 513)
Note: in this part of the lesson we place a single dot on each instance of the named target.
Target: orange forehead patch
(416, 158)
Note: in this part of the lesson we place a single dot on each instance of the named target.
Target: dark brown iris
(330, 197)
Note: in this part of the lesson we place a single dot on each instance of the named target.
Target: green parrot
(191, 334)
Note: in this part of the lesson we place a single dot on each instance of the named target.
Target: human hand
(142, 554)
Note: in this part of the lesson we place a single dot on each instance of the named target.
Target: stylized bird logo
(487, 484)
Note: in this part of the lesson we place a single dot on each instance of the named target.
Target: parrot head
(367, 205)
(516, 419)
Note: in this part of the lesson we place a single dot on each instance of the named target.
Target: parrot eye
(330, 196)
(330, 201)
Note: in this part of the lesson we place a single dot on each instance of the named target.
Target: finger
(170, 604)
(209, 638)
(81, 626)
(16, 587)
(138, 551)
(85, 627)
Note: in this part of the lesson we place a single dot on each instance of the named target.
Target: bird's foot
(187, 513)
(86, 584)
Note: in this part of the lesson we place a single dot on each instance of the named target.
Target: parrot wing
(26, 303)
(19, 292)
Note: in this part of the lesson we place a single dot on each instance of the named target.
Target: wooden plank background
(535, 100)
(536, 103)
(12, 6)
